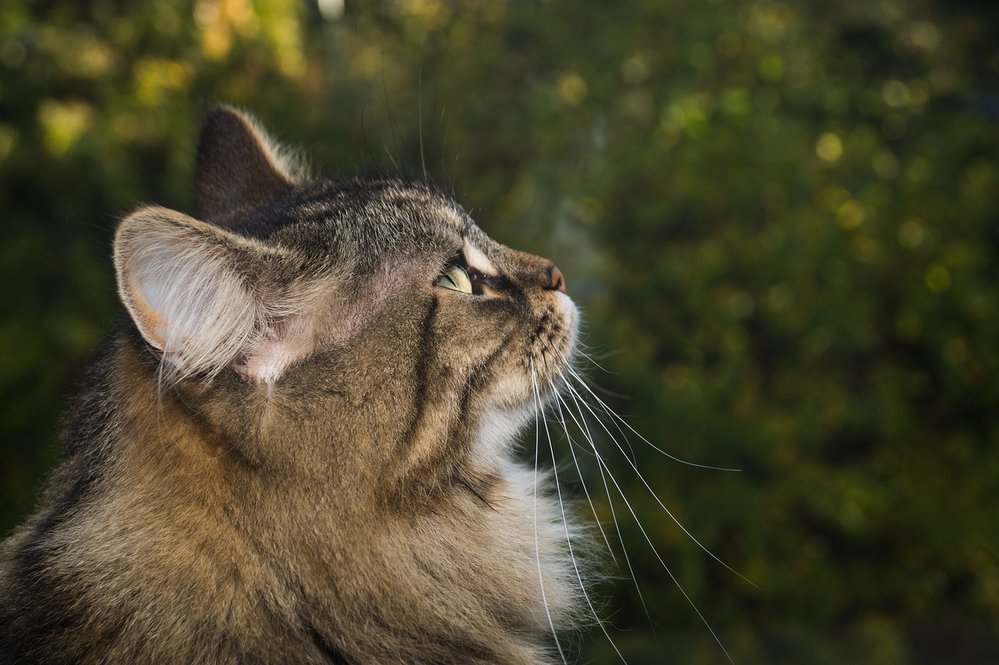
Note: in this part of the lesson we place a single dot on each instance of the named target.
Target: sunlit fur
(296, 448)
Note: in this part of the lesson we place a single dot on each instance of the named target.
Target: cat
(297, 444)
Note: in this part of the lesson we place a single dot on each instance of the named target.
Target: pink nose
(556, 282)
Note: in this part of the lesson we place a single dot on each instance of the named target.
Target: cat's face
(343, 324)
(476, 306)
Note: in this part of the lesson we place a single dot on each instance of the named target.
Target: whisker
(669, 572)
(601, 465)
(423, 161)
(615, 416)
(391, 119)
(593, 361)
(669, 512)
(391, 158)
(537, 543)
(610, 418)
(573, 373)
(582, 481)
(565, 524)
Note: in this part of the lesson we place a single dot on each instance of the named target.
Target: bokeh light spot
(829, 148)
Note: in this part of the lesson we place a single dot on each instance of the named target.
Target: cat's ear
(238, 166)
(208, 298)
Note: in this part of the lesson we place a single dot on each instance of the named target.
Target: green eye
(455, 278)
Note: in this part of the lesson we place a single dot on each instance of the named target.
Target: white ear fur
(193, 289)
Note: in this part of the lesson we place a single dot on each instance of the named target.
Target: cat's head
(318, 320)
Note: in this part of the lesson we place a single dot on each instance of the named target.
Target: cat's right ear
(238, 166)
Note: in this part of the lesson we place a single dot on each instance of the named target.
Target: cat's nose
(556, 281)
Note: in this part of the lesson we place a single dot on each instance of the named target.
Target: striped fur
(295, 447)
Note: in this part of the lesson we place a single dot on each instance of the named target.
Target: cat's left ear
(239, 167)
(209, 299)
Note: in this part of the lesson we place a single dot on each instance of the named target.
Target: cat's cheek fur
(533, 367)
(331, 319)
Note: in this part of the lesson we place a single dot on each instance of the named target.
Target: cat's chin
(519, 401)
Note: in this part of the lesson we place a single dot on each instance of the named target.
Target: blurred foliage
(782, 217)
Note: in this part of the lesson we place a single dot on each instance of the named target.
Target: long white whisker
(565, 524)
(667, 510)
(610, 499)
(592, 361)
(573, 373)
(624, 422)
(565, 427)
(537, 542)
(669, 572)
(614, 417)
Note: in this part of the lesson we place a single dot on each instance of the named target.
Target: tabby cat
(296, 446)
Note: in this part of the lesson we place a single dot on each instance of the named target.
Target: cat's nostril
(556, 281)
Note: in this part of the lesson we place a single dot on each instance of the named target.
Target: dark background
(780, 219)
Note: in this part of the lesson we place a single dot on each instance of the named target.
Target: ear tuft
(238, 165)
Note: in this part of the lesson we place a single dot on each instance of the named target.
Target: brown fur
(337, 486)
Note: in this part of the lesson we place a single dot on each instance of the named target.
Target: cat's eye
(455, 278)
